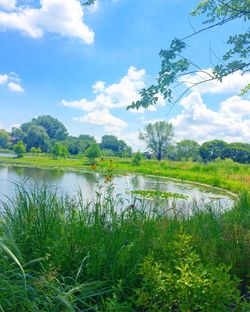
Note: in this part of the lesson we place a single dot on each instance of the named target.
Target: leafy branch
(175, 67)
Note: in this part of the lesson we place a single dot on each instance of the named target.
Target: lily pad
(158, 194)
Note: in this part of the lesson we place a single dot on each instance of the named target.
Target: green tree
(187, 149)
(137, 159)
(93, 152)
(79, 144)
(239, 152)
(4, 139)
(19, 149)
(211, 150)
(35, 150)
(174, 64)
(37, 137)
(54, 128)
(59, 150)
(119, 147)
(158, 137)
(17, 135)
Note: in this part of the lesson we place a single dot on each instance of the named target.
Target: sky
(83, 66)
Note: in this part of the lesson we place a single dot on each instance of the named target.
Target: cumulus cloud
(15, 87)
(105, 119)
(53, 16)
(114, 96)
(8, 5)
(11, 81)
(117, 95)
(231, 83)
(230, 123)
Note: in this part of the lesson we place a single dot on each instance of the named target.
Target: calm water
(71, 182)
(7, 155)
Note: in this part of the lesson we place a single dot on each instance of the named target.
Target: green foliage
(35, 150)
(54, 128)
(119, 147)
(172, 67)
(59, 150)
(79, 145)
(37, 137)
(19, 149)
(245, 90)
(137, 159)
(174, 64)
(158, 194)
(17, 135)
(4, 139)
(158, 137)
(238, 152)
(214, 149)
(185, 283)
(58, 254)
(93, 152)
(187, 149)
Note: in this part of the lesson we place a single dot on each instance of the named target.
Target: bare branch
(214, 25)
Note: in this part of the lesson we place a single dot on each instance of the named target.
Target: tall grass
(58, 254)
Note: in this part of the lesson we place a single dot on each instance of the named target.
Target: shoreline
(85, 170)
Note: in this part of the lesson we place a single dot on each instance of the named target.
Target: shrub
(184, 283)
(93, 152)
(59, 150)
(137, 159)
(19, 149)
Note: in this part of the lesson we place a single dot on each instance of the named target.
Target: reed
(60, 254)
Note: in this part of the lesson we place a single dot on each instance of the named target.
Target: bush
(59, 150)
(137, 159)
(93, 152)
(19, 149)
(185, 284)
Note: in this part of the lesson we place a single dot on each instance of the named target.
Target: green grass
(57, 254)
(223, 174)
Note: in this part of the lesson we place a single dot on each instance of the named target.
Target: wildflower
(93, 167)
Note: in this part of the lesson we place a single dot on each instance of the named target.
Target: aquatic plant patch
(158, 194)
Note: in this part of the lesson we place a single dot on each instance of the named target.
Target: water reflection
(87, 183)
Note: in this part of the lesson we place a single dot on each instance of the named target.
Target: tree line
(46, 134)
(159, 137)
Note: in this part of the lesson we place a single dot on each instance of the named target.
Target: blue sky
(83, 66)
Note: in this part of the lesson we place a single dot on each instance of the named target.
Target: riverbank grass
(58, 254)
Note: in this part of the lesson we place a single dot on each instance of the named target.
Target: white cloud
(53, 16)
(15, 87)
(105, 119)
(3, 79)
(231, 83)
(99, 86)
(8, 5)
(114, 96)
(230, 123)
(11, 81)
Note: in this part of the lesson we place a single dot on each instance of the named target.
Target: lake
(88, 183)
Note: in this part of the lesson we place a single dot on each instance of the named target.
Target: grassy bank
(223, 174)
(58, 255)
